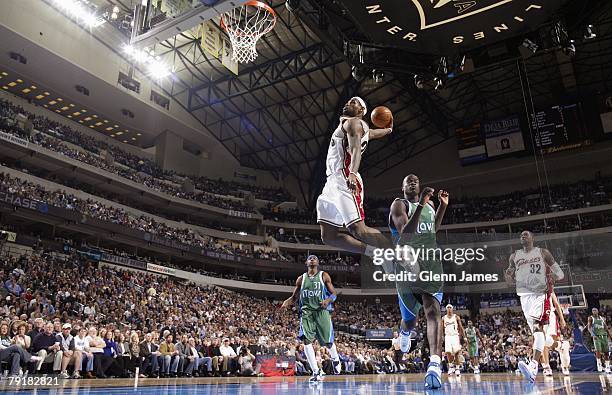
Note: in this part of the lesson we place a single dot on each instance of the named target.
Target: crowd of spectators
(559, 197)
(54, 136)
(64, 314)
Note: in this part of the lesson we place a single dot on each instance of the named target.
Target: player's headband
(362, 102)
(312, 257)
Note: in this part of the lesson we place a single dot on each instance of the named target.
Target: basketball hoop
(245, 25)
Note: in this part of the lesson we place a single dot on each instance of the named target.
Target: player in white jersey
(341, 201)
(453, 327)
(534, 269)
(556, 322)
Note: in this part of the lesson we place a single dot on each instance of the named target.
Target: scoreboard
(558, 127)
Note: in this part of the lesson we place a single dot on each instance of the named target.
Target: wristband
(333, 297)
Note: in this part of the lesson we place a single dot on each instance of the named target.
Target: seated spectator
(46, 346)
(170, 357)
(96, 347)
(81, 344)
(13, 355)
(194, 360)
(230, 359)
(107, 361)
(149, 354)
(12, 286)
(125, 359)
(39, 323)
(21, 339)
(70, 356)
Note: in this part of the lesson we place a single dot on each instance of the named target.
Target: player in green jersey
(316, 294)
(413, 221)
(599, 330)
(473, 336)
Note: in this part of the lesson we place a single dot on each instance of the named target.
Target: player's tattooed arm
(443, 198)
(509, 273)
(294, 296)
(554, 266)
(379, 133)
(330, 287)
(354, 132)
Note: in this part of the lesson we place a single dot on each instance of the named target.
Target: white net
(245, 25)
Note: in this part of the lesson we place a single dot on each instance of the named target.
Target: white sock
(607, 364)
(312, 358)
(565, 358)
(369, 250)
(333, 352)
(436, 359)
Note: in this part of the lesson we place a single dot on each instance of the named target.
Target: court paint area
(579, 383)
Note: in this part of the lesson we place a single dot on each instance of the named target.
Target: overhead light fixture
(569, 49)
(528, 48)
(378, 76)
(154, 66)
(79, 11)
(292, 5)
(358, 73)
(428, 83)
(590, 34)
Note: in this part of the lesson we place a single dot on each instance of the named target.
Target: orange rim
(254, 3)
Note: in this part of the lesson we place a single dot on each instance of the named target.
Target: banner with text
(503, 136)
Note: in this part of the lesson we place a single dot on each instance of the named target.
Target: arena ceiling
(277, 114)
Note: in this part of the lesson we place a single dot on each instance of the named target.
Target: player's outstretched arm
(554, 266)
(443, 199)
(380, 133)
(330, 287)
(296, 292)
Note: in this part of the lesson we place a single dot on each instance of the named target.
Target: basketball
(381, 117)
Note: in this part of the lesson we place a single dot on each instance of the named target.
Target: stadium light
(80, 12)
(153, 65)
(590, 33)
